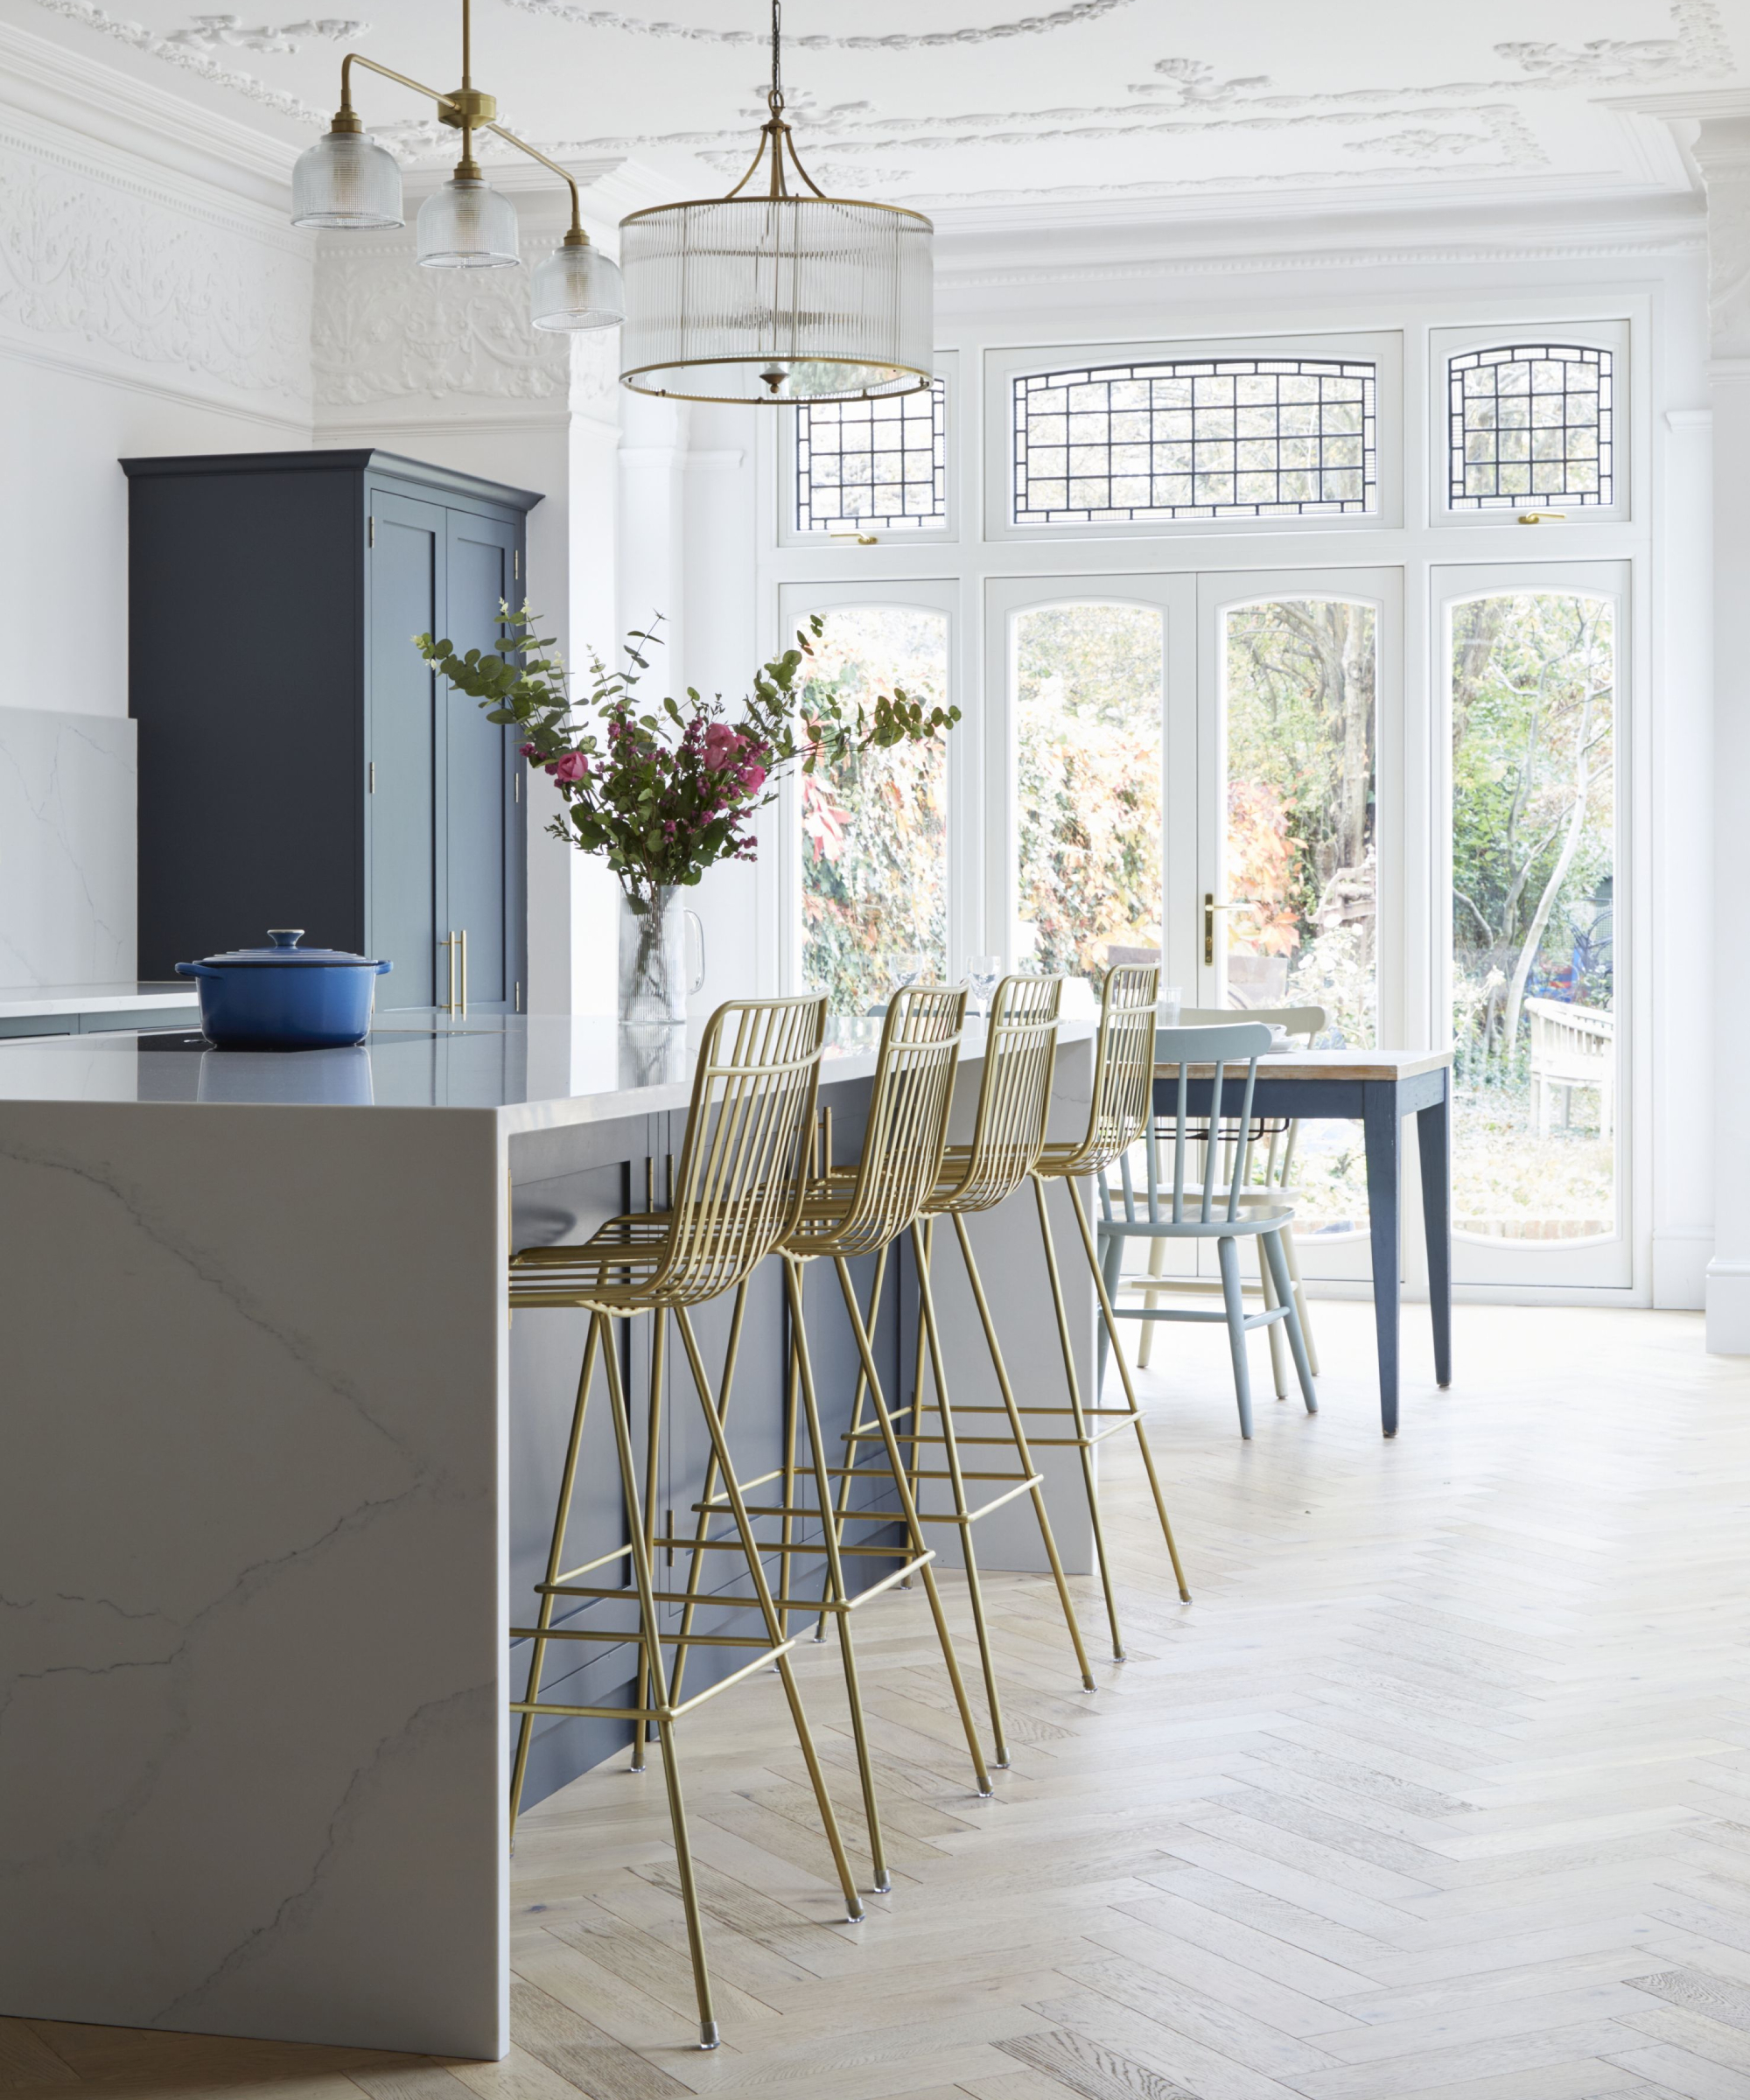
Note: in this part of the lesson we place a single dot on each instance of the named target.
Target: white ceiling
(953, 105)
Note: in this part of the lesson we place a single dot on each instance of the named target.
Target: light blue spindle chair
(1195, 1207)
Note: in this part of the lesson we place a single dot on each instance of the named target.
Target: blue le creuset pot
(285, 997)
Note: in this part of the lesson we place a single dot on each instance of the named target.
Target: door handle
(455, 947)
(1210, 909)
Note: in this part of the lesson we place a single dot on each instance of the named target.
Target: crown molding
(1140, 250)
(127, 120)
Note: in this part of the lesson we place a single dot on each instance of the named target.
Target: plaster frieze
(1722, 151)
(134, 273)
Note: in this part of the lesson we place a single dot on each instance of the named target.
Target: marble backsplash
(68, 804)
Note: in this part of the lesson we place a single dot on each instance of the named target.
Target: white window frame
(1447, 343)
(947, 370)
(1003, 366)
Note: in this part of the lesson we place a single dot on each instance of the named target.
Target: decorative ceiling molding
(193, 58)
(212, 33)
(637, 25)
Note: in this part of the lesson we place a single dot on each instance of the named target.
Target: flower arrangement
(665, 791)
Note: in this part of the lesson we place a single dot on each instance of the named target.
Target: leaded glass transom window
(1209, 437)
(1530, 420)
(870, 465)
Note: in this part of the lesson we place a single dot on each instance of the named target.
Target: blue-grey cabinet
(299, 764)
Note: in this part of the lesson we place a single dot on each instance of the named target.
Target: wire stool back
(1014, 1097)
(1123, 1071)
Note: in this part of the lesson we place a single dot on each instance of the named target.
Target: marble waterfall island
(275, 1476)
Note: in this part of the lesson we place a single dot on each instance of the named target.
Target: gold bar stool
(849, 1213)
(738, 1191)
(1124, 1093)
(1014, 1102)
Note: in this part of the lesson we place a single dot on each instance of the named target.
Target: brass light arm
(357, 57)
(569, 179)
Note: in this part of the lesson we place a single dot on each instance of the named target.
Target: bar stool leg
(878, 1860)
(974, 1590)
(1084, 1442)
(1023, 1450)
(1103, 1282)
(858, 1422)
(914, 1530)
(703, 1528)
(750, 1547)
(640, 1729)
(649, 1631)
(556, 1555)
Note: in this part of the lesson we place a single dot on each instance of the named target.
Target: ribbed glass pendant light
(773, 293)
(346, 180)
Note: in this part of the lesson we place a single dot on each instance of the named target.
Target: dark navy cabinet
(299, 764)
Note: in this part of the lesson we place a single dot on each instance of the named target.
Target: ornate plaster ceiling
(959, 104)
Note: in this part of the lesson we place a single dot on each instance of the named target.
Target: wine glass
(908, 967)
(982, 973)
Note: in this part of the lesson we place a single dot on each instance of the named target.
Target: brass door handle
(1210, 909)
(455, 947)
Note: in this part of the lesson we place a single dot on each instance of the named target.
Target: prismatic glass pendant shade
(467, 225)
(777, 299)
(346, 180)
(576, 287)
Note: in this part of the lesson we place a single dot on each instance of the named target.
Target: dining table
(1378, 1088)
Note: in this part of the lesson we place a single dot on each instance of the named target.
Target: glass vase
(655, 982)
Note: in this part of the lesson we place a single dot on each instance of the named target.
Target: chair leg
(1300, 1300)
(555, 1556)
(1157, 1266)
(836, 1587)
(1111, 1267)
(1278, 1353)
(1023, 1450)
(659, 1325)
(750, 1547)
(695, 1595)
(1109, 1323)
(650, 1628)
(1090, 1479)
(1228, 1254)
(1297, 1341)
(963, 1508)
(896, 1462)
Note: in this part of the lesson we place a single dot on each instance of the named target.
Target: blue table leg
(1434, 1141)
(1380, 1122)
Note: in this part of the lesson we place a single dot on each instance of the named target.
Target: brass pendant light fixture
(777, 292)
(346, 181)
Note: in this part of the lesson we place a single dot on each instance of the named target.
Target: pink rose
(573, 766)
(752, 778)
(723, 747)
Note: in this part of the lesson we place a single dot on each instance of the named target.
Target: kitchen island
(276, 1477)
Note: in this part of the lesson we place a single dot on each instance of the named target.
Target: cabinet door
(406, 561)
(480, 862)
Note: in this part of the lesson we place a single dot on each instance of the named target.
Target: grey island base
(275, 1478)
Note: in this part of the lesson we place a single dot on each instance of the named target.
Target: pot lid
(285, 949)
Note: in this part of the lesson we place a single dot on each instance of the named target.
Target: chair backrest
(1220, 1047)
(742, 1174)
(1123, 1067)
(1308, 1021)
(1014, 1094)
(907, 1130)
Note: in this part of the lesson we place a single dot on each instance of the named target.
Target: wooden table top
(1331, 1064)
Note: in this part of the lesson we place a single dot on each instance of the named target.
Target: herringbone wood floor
(1440, 1788)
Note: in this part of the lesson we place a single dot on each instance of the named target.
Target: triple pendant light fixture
(775, 292)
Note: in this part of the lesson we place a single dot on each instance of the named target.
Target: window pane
(874, 841)
(1232, 436)
(870, 465)
(1534, 868)
(1529, 423)
(1299, 676)
(1087, 708)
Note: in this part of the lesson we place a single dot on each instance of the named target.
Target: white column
(1723, 150)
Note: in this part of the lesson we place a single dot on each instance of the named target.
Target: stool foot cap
(987, 1793)
(709, 2037)
(855, 1914)
(884, 1885)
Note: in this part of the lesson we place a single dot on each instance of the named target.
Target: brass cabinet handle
(463, 939)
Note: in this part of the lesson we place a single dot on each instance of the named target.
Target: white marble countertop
(28, 1002)
(536, 1071)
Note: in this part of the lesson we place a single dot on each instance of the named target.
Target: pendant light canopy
(347, 180)
(776, 293)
